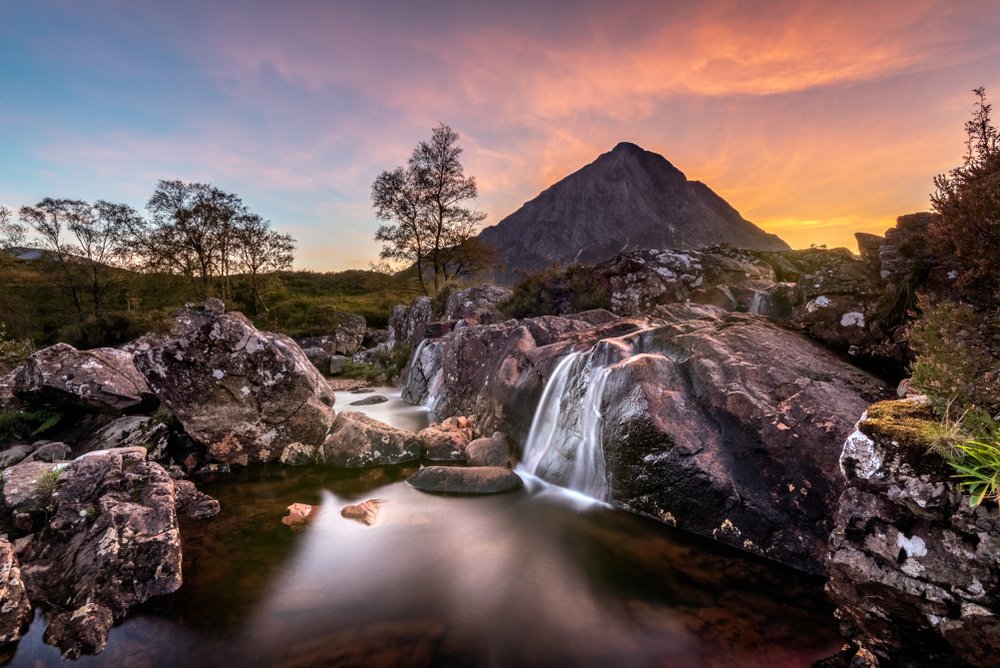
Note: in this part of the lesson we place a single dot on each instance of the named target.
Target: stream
(538, 577)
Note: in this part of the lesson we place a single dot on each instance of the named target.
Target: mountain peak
(627, 199)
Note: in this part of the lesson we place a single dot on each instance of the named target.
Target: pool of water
(539, 577)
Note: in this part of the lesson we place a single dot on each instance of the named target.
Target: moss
(905, 429)
(906, 422)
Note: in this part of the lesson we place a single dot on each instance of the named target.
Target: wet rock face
(357, 441)
(111, 542)
(914, 570)
(475, 302)
(423, 371)
(15, 609)
(242, 393)
(701, 427)
(103, 380)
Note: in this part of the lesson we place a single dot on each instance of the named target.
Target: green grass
(977, 469)
(298, 303)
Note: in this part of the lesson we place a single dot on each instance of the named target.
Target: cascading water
(566, 442)
(759, 303)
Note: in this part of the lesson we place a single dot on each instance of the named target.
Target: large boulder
(421, 379)
(242, 393)
(111, 542)
(479, 303)
(103, 380)
(357, 440)
(697, 424)
(446, 440)
(914, 568)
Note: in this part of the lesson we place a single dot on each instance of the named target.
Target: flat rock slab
(465, 480)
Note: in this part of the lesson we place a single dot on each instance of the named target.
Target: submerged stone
(465, 480)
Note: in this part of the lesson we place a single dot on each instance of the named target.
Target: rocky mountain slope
(627, 199)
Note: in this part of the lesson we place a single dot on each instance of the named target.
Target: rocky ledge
(93, 538)
(914, 569)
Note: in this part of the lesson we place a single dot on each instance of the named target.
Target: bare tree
(191, 231)
(260, 250)
(12, 233)
(50, 219)
(423, 205)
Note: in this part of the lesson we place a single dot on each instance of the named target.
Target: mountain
(627, 199)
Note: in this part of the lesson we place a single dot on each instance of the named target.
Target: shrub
(557, 291)
(955, 363)
(21, 425)
(12, 351)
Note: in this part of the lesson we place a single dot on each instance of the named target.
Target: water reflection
(539, 577)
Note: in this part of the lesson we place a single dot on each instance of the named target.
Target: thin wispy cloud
(813, 119)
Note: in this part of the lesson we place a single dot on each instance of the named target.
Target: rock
(492, 451)
(193, 503)
(111, 542)
(49, 452)
(298, 515)
(300, 454)
(420, 379)
(446, 441)
(701, 428)
(356, 441)
(407, 323)
(242, 393)
(903, 252)
(434, 330)
(346, 339)
(375, 337)
(475, 302)
(319, 357)
(365, 512)
(914, 569)
(103, 380)
(82, 631)
(869, 247)
(15, 609)
(8, 402)
(337, 364)
(14, 454)
(28, 488)
(465, 480)
(370, 401)
(130, 431)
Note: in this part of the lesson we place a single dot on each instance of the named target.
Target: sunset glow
(815, 120)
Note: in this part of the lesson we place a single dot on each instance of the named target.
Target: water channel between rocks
(539, 577)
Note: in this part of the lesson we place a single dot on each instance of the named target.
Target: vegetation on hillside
(557, 291)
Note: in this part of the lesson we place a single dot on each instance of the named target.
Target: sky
(814, 119)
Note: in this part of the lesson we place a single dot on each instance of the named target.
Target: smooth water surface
(539, 577)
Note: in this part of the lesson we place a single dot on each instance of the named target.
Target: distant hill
(627, 199)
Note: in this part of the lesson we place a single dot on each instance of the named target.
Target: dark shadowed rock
(627, 199)
(111, 542)
(337, 364)
(15, 609)
(244, 394)
(420, 378)
(51, 451)
(192, 502)
(300, 454)
(103, 380)
(465, 480)
(14, 454)
(914, 569)
(356, 441)
(319, 357)
(346, 339)
(370, 401)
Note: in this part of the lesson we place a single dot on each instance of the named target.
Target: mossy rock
(903, 428)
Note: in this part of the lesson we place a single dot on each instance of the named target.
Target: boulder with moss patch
(914, 569)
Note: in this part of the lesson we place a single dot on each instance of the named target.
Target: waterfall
(759, 304)
(566, 440)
